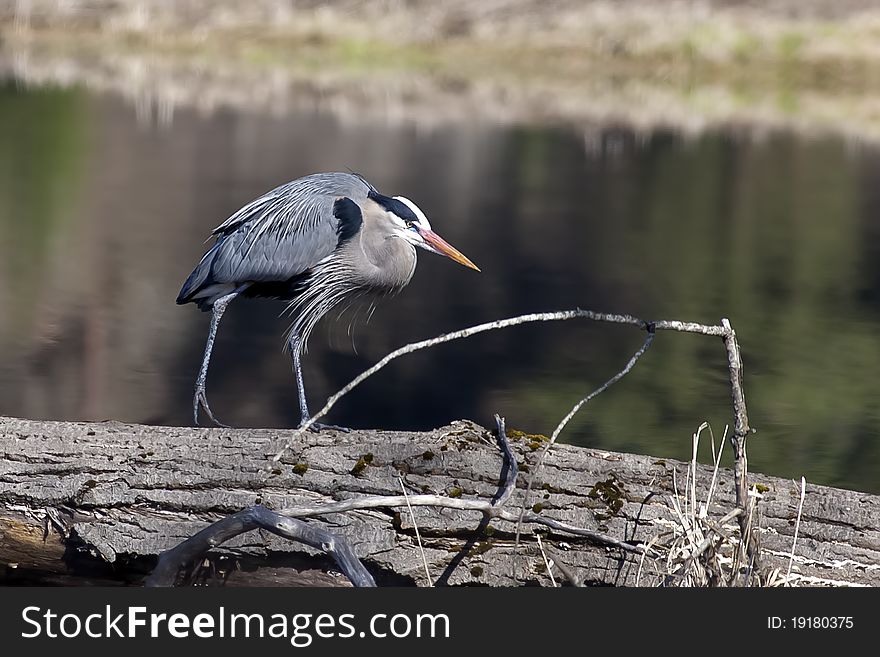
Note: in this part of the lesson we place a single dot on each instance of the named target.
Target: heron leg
(295, 345)
(200, 398)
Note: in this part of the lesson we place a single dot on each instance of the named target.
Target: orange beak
(441, 246)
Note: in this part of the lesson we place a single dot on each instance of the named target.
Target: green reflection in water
(767, 234)
(42, 145)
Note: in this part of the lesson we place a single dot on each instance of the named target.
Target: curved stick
(724, 331)
(259, 517)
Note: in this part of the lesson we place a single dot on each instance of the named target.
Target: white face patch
(420, 216)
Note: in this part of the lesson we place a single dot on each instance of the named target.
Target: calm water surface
(102, 216)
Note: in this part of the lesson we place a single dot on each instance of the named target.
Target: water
(103, 215)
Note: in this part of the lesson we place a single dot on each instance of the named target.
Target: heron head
(411, 224)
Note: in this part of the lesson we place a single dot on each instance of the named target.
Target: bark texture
(88, 503)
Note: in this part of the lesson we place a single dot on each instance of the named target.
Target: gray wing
(285, 231)
(278, 235)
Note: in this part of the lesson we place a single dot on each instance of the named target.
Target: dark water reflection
(102, 217)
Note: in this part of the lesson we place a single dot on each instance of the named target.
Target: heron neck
(390, 261)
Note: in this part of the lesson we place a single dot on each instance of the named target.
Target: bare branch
(509, 484)
(614, 379)
(741, 431)
(259, 517)
(562, 315)
(487, 508)
(738, 437)
(610, 382)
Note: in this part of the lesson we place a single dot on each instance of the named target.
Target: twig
(509, 471)
(416, 527)
(547, 563)
(614, 379)
(562, 315)
(737, 438)
(741, 430)
(180, 556)
(488, 508)
(797, 525)
(692, 474)
(509, 483)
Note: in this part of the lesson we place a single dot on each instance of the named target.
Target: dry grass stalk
(697, 551)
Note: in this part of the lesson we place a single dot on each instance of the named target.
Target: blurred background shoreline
(809, 66)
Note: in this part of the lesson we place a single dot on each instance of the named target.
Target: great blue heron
(316, 242)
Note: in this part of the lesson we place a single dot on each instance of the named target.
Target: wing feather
(284, 232)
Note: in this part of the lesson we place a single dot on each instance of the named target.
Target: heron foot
(201, 399)
(319, 426)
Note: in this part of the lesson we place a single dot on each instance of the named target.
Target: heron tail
(200, 286)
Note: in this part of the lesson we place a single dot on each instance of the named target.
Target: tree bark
(85, 503)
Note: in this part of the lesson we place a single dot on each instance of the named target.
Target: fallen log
(96, 503)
